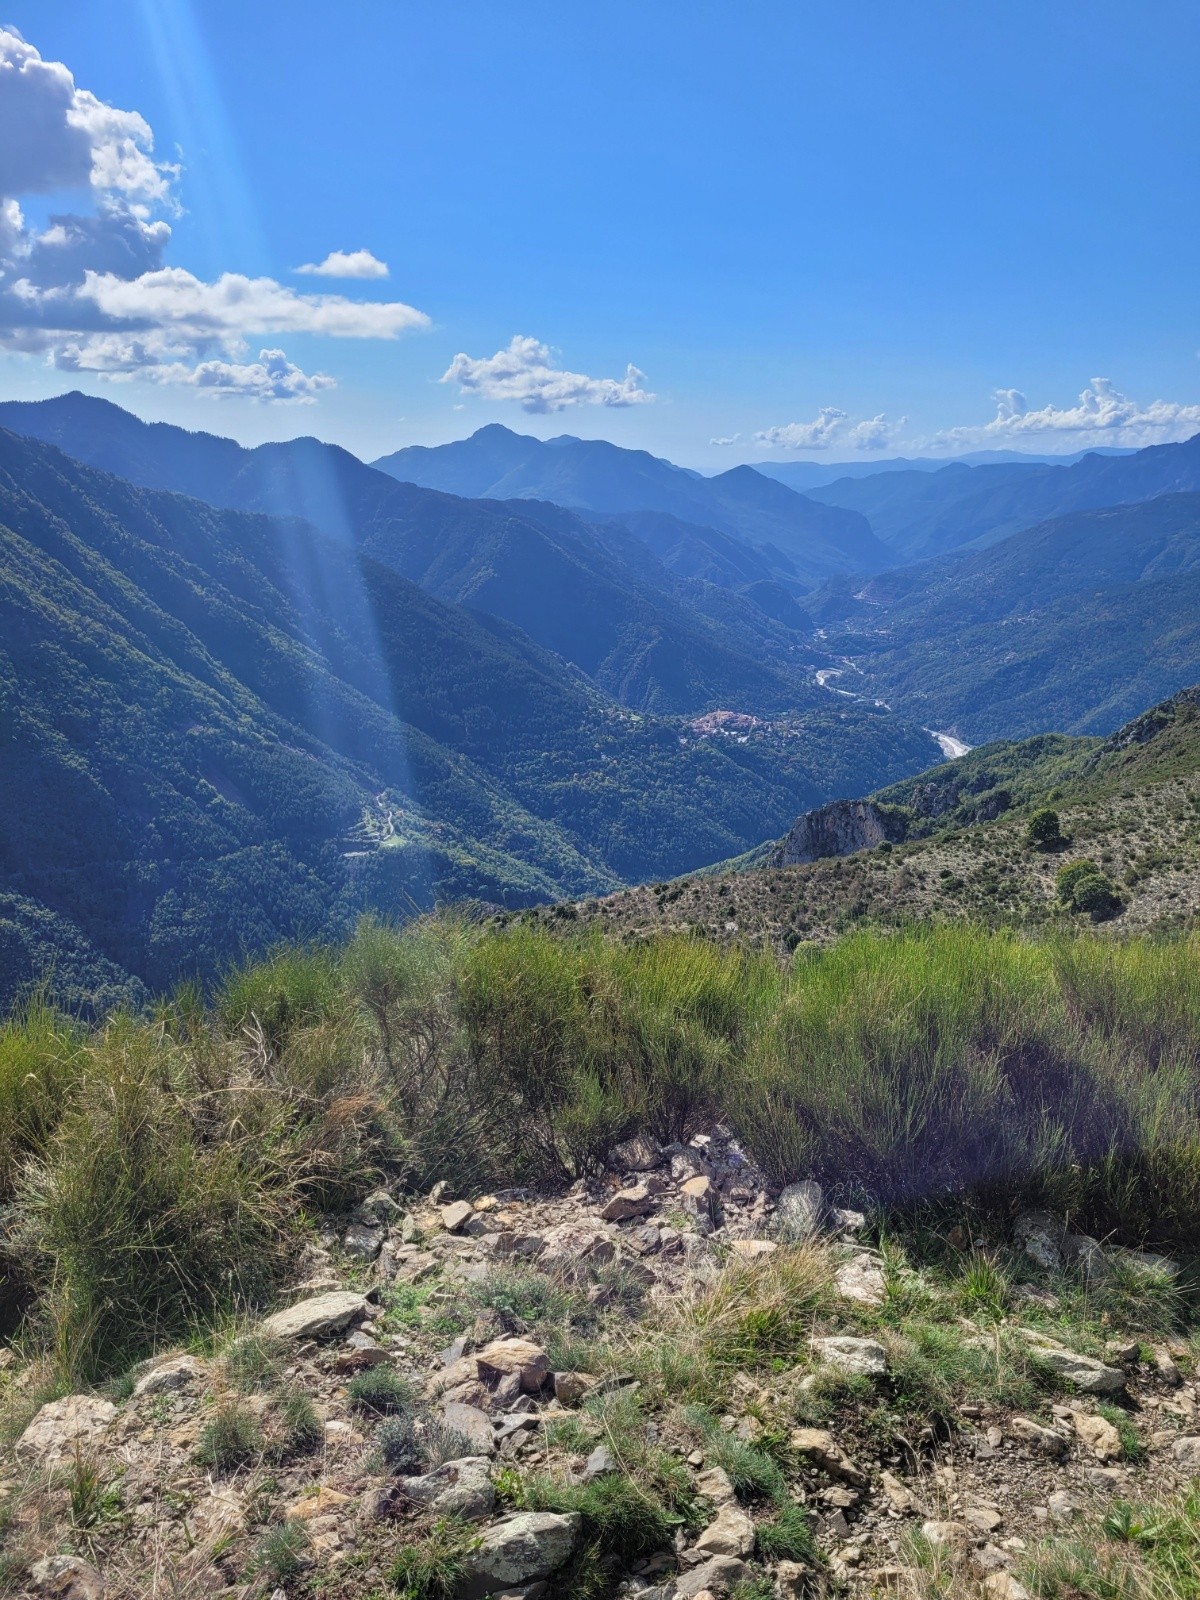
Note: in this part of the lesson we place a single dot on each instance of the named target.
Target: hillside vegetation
(873, 1376)
(955, 846)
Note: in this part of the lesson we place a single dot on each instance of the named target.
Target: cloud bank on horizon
(91, 290)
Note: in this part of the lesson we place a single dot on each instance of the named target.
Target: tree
(1044, 831)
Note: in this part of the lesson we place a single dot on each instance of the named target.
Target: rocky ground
(669, 1381)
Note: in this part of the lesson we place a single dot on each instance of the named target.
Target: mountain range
(247, 693)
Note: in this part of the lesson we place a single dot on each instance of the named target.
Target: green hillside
(219, 730)
(957, 848)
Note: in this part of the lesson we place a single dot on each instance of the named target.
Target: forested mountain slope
(219, 729)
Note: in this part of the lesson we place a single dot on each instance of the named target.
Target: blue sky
(901, 226)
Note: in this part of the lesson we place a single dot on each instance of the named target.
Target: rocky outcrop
(838, 829)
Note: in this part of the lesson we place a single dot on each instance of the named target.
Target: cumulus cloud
(92, 290)
(346, 264)
(1101, 415)
(731, 438)
(525, 372)
(832, 426)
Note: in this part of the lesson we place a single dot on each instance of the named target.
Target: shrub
(282, 1553)
(381, 1390)
(1097, 896)
(296, 1424)
(788, 1536)
(441, 1443)
(621, 1518)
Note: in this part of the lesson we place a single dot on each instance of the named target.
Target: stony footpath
(669, 1381)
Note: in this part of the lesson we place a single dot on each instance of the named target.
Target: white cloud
(346, 264)
(525, 372)
(91, 290)
(1102, 415)
(832, 426)
(54, 136)
(236, 305)
(731, 438)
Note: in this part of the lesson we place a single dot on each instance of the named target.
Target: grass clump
(398, 1444)
(788, 1536)
(1144, 1551)
(282, 1553)
(231, 1438)
(622, 1518)
(434, 1567)
(381, 1391)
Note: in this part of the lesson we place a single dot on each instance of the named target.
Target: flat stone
(628, 1203)
(66, 1578)
(176, 1372)
(983, 1519)
(1063, 1506)
(62, 1426)
(318, 1317)
(1003, 1586)
(860, 1357)
(820, 1447)
(600, 1464)
(898, 1495)
(752, 1249)
(1087, 1374)
(1185, 1453)
(731, 1533)
(721, 1575)
(320, 1502)
(455, 1489)
(1101, 1438)
(1044, 1440)
(456, 1215)
(571, 1387)
(530, 1545)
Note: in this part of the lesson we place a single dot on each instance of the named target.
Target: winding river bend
(950, 746)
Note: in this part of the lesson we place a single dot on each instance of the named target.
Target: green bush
(231, 1438)
(397, 1442)
(434, 1568)
(1082, 886)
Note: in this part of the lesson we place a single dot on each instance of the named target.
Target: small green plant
(252, 1363)
(441, 1443)
(93, 1497)
(282, 1553)
(788, 1536)
(381, 1391)
(229, 1439)
(983, 1286)
(298, 1427)
(434, 1567)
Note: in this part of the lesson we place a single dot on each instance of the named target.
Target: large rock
(642, 1153)
(317, 1318)
(731, 1533)
(838, 829)
(519, 1358)
(862, 1358)
(530, 1545)
(1185, 1453)
(77, 1422)
(799, 1210)
(66, 1578)
(628, 1203)
(455, 1489)
(1087, 1374)
(1044, 1440)
(456, 1215)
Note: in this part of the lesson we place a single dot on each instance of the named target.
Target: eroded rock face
(860, 1357)
(455, 1489)
(838, 829)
